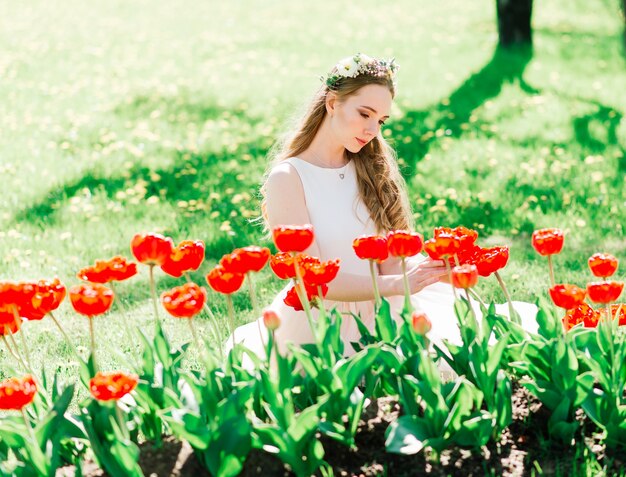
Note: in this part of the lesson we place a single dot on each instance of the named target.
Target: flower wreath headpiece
(361, 64)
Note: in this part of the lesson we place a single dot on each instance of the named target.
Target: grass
(126, 117)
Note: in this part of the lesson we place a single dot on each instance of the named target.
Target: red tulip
(187, 256)
(184, 301)
(567, 296)
(40, 298)
(15, 393)
(151, 249)
(464, 237)
(121, 269)
(6, 314)
(402, 243)
(464, 276)
(604, 292)
(621, 307)
(10, 327)
(224, 281)
(421, 323)
(603, 264)
(371, 247)
(443, 246)
(112, 386)
(91, 299)
(104, 271)
(246, 259)
(581, 313)
(548, 241)
(15, 299)
(271, 320)
(10, 296)
(293, 300)
(293, 238)
(490, 260)
(282, 265)
(316, 272)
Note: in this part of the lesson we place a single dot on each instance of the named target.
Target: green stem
(154, 297)
(231, 317)
(194, 335)
(477, 297)
(301, 292)
(320, 298)
(16, 320)
(213, 326)
(121, 421)
(469, 303)
(449, 270)
(92, 335)
(212, 321)
(551, 270)
(375, 282)
(269, 347)
(407, 294)
(255, 305)
(31, 433)
(19, 360)
(17, 350)
(25, 346)
(65, 337)
(513, 316)
(125, 318)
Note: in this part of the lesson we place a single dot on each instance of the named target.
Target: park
(136, 138)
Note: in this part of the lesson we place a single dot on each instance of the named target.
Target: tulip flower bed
(312, 410)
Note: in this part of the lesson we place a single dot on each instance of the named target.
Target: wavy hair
(381, 186)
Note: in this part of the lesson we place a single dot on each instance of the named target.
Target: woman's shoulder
(283, 174)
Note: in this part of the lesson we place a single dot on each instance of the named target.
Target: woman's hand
(422, 275)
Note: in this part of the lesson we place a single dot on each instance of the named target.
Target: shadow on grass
(192, 176)
(414, 134)
(451, 116)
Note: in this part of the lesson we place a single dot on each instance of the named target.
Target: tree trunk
(514, 22)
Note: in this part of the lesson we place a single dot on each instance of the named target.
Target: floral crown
(361, 64)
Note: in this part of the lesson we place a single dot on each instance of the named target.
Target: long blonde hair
(380, 184)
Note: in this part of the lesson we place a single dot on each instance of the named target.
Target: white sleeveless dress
(338, 216)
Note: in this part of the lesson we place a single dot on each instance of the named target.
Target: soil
(523, 448)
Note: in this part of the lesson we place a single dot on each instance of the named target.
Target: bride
(336, 171)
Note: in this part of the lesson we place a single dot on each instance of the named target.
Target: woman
(337, 172)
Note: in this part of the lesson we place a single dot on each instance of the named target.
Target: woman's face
(357, 120)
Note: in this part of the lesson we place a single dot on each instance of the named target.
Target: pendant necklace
(341, 170)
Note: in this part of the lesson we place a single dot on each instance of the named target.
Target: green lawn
(120, 117)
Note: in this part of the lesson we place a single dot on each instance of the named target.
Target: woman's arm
(286, 205)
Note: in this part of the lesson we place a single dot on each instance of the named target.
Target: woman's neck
(325, 150)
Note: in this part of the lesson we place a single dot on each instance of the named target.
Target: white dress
(338, 216)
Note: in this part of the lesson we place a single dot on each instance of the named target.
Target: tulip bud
(464, 276)
(271, 320)
(421, 323)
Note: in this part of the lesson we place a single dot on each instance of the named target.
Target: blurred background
(121, 117)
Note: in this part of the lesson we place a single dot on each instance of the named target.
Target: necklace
(340, 170)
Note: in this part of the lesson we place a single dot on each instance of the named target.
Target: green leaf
(408, 435)
(386, 328)
(162, 347)
(549, 326)
(305, 423)
(495, 354)
(475, 431)
(503, 405)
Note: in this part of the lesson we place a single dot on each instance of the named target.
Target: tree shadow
(451, 116)
(190, 176)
